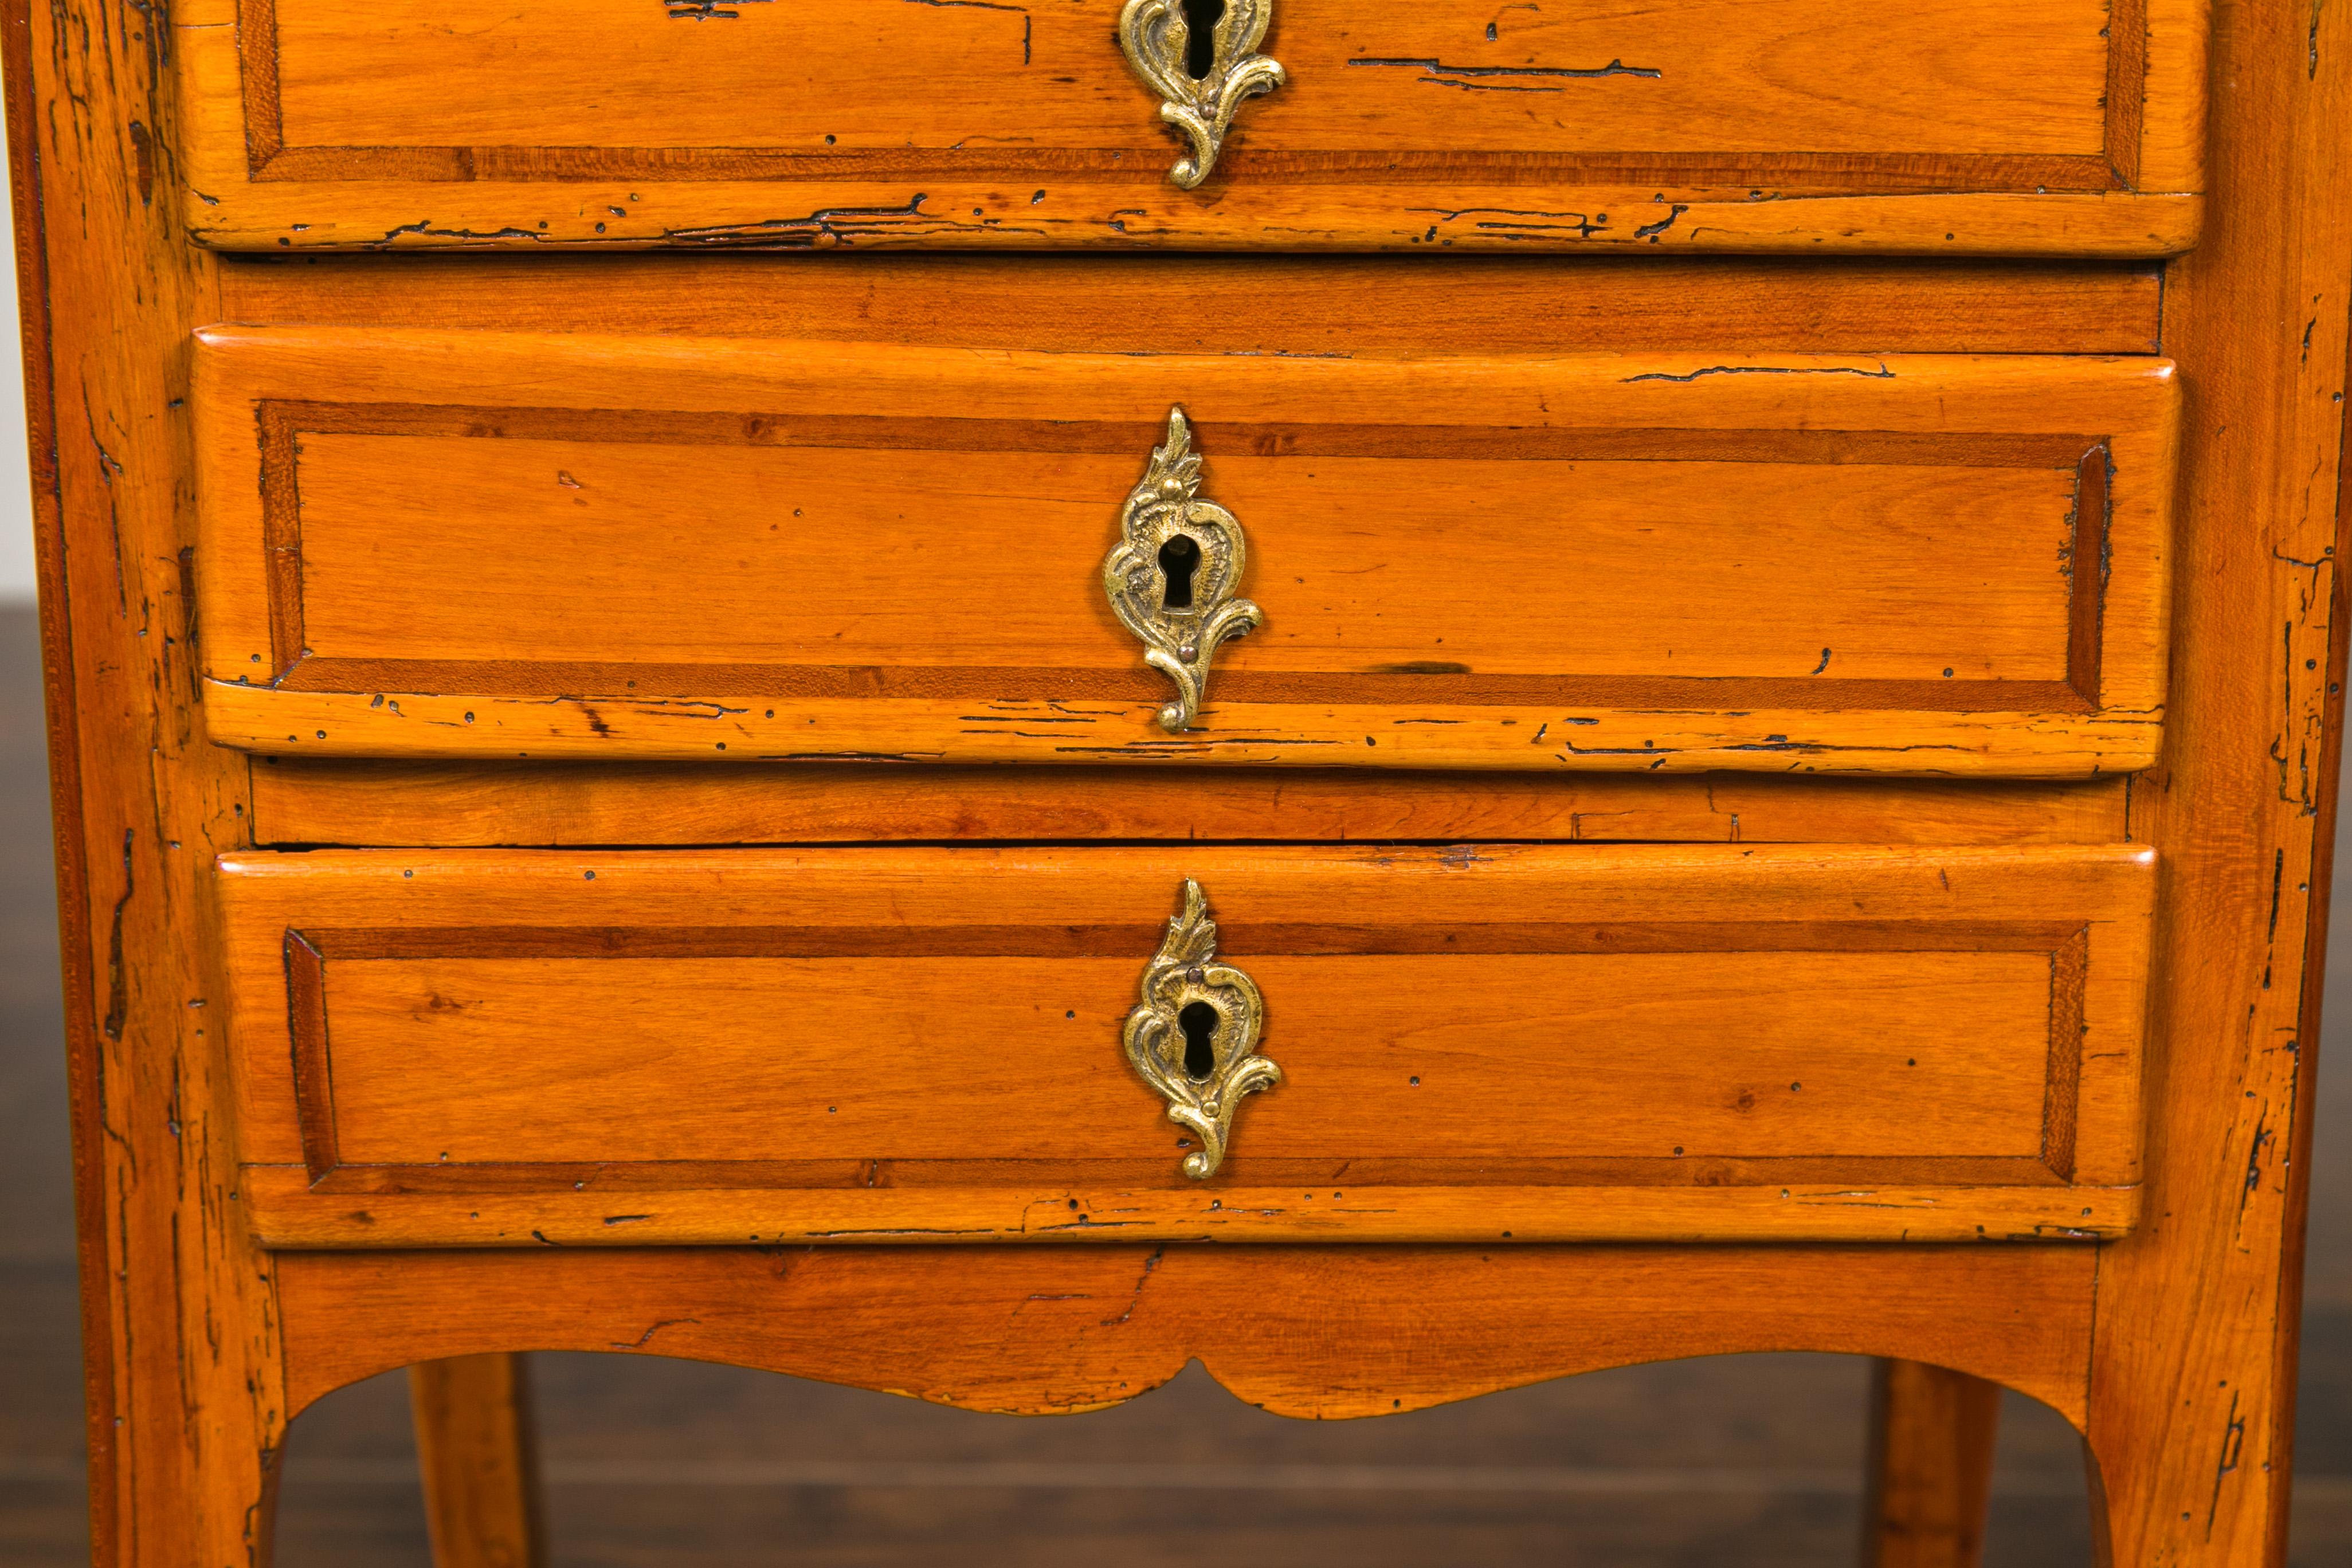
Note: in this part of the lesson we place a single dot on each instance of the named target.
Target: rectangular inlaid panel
(502, 545)
(2013, 126)
(1623, 1041)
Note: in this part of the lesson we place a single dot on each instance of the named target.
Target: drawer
(474, 544)
(1639, 1042)
(2003, 126)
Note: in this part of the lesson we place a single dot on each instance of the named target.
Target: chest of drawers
(1983, 126)
(1397, 823)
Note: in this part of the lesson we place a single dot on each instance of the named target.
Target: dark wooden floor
(1739, 1463)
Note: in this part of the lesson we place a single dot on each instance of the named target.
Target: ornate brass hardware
(1172, 576)
(1158, 37)
(1193, 1037)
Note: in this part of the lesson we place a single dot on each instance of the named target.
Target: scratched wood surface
(2183, 1386)
(1338, 306)
(1099, 1325)
(1609, 563)
(184, 1399)
(1987, 125)
(1752, 1462)
(1746, 1460)
(361, 801)
(1569, 1043)
(2192, 1408)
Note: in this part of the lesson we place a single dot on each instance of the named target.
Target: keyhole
(1200, 48)
(1199, 1021)
(1179, 559)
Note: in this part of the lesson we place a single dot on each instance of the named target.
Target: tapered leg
(1931, 1467)
(481, 1477)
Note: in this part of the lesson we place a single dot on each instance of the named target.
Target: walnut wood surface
(2174, 1346)
(1353, 1331)
(1562, 1044)
(1990, 125)
(1613, 562)
(476, 1454)
(2193, 1376)
(358, 801)
(1341, 306)
(181, 1349)
(1931, 1455)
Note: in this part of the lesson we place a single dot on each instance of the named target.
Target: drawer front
(476, 544)
(2069, 126)
(1633, 1042)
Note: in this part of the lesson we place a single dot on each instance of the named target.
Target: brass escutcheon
(1173, 576)
(1158, 38)
(1203, 1096)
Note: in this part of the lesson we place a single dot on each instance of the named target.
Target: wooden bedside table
(1733, 749)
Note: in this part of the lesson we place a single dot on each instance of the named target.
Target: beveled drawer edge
(287, 1213)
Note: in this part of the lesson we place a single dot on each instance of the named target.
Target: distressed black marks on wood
(706, 10)
(1507, 79)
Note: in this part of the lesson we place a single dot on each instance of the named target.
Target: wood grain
(1428, 600)
(1346, 306)
(2194, 1368)
(475, 1450)
(505, 1089)
(326, 800)
(2008, 126)
(185, 1396)
(1931, 1457)
(2183, 1382)
(1598, 1042)
(1933, 1206)
(1356, 1331)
